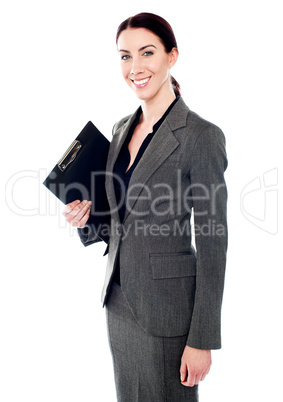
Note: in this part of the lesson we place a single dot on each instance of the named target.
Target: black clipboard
(80, 175)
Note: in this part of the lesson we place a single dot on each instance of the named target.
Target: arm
(209, 197)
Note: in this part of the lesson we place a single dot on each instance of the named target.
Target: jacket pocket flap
(174, 265)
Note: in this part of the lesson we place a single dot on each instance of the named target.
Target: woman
(163, 300)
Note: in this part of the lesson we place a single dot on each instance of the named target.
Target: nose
(136, 66)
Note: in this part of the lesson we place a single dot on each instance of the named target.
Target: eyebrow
(142, 48)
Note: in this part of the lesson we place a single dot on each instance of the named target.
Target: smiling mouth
(142, 82)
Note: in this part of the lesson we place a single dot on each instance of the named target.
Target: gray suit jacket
(172, 289)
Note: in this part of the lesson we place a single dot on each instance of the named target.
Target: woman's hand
(77, 213)
(195, 365)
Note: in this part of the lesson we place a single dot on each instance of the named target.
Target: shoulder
(203, 129)
(202, 126)
(193, 127)
(206, 141)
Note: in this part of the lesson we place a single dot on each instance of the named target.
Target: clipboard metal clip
(69, 156)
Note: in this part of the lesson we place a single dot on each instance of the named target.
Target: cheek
(159, 69)
(125, 69)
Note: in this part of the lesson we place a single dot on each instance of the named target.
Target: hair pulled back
(160, 27)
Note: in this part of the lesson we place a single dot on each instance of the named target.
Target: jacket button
(119, 230)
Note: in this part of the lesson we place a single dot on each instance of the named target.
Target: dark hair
(160, 27)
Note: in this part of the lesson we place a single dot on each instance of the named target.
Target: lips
(141, 83)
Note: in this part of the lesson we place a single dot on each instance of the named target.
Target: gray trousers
(146, 368)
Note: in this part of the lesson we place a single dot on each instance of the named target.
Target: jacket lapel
(115, 147)
(160, 147)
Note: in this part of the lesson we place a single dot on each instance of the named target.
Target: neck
(153, 109)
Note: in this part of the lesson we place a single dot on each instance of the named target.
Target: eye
(148, 53)
(125, 57)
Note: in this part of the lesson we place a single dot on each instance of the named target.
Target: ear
(173, 57)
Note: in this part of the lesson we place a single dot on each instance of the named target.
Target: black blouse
(122, 163)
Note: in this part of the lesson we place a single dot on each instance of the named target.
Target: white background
(59, 69)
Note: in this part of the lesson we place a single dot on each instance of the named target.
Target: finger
(204, 374)
(198, 378)
(75, 210)
(183, 371)
(81, 224)
(69, 207)
(189, 381)
(71, 212)
(84, 208)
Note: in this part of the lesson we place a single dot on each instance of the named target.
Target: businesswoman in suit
(163, 298)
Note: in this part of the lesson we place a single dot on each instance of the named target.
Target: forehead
(135, 38)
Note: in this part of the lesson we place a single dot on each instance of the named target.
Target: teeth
(141, 82)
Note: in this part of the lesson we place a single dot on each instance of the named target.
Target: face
(145, 64)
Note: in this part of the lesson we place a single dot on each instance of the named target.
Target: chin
(143, 96)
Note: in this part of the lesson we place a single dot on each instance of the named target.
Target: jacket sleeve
(209, 199)
(87, 236)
